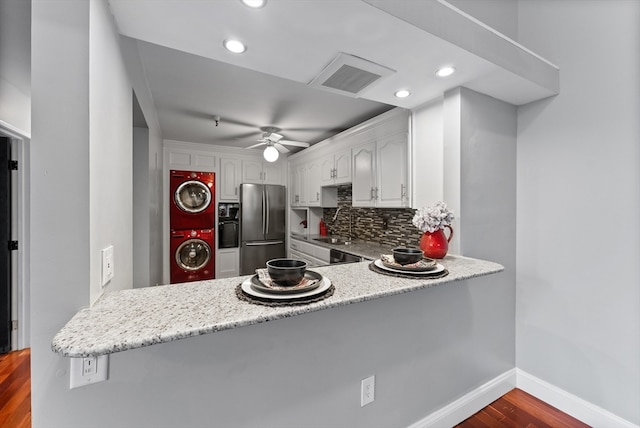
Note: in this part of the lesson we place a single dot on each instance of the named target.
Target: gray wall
(578, 299)
(149, 203)
(15, 63)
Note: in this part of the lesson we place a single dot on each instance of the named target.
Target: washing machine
(192, 203)
(192, 255)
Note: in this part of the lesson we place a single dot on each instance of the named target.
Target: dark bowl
(286, 272)
(406, 256)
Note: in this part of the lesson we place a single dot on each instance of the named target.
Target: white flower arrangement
(430, 219)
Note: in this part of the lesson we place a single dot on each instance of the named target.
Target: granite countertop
(130, 319)
(367, 249)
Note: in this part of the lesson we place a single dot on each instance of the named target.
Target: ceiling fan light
(254, 3)
(234, 46)
(271, 154)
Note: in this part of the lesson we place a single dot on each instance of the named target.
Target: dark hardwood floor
(516, 409)
(15, 389)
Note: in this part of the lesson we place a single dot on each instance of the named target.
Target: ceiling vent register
(350, 75)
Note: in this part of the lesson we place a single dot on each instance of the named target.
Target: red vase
(435, 244)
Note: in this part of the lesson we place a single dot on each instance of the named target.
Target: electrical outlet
(107, 265)
(367, 391)
(88, 370)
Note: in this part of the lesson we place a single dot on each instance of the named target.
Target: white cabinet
(313, 184)
(336, 168)
(257, 172)
(314, 255)
(230, 179)
(299, 185)
(306, 190)
(364, 175)
(392, 175)
(380, 172)
(228, 263)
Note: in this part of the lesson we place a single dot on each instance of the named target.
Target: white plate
(248, 289)
(439, 268)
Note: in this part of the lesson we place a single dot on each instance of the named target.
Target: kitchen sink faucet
(335, 216)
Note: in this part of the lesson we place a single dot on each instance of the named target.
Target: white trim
(465, 406)
(470, 403)
(570, 404)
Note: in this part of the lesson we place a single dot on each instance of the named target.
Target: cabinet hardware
(402, 191)
(376, 193)
(372, 196)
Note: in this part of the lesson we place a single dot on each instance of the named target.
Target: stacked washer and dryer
(192, 219)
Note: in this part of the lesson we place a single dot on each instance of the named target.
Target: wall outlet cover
(107, 265)
(88, 370)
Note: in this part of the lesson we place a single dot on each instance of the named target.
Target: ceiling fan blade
(255, 145)
(294, 143)
(281, 148)
(275, 137)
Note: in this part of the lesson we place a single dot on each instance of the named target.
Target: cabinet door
(313, 183)
(293, 186)
(252, 171)
(326, 171)
(228, 263)
(364, 161)
(342, 167)
(302, 185)
(272, 173)
(230, 176)
(392, 176)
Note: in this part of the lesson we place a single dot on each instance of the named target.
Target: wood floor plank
(517, 409)
(15, 389)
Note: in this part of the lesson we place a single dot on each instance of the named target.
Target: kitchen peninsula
(130, 319)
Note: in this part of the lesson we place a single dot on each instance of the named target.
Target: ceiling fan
(274, 143)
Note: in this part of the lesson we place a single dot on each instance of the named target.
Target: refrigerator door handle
(266, 232)
(264, 213)
(262, 243)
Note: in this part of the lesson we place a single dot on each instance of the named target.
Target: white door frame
(20, 290)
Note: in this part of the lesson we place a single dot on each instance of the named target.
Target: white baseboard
(470, 403)
(570, 404)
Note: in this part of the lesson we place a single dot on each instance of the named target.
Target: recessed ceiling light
(234, 46)
(445, 71)
(254, 3)
(402, 93)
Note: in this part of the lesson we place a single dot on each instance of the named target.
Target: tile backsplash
(388, 226)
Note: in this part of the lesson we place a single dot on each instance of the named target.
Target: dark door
(5, 238)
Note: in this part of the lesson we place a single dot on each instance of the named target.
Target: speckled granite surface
(367, 249)
(132, 319)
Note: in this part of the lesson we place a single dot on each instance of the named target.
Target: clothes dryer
(192, 203)
(192, 255)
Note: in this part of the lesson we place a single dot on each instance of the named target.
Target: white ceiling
(192, 77)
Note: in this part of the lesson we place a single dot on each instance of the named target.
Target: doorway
(6, 245)
(14, 239)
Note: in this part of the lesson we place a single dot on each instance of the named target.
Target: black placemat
(422, 275)
(289, 302)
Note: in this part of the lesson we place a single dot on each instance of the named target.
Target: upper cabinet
(336, 168)
(257, 172)
(380, 176)
(230, 179)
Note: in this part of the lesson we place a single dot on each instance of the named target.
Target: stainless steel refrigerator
(262, 225)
